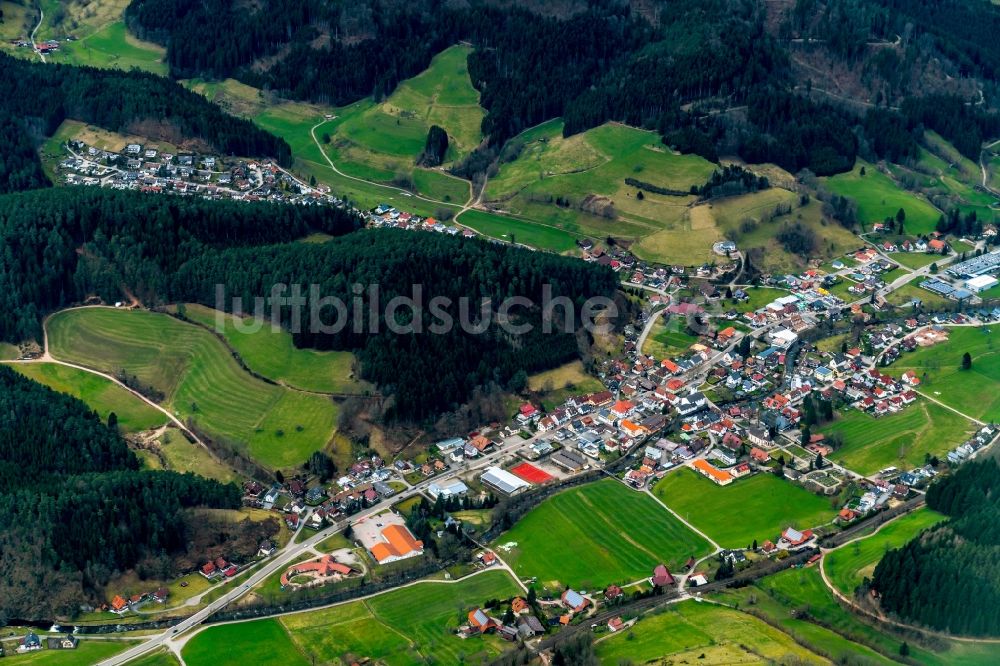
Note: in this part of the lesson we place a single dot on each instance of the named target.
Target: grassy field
(690, 632)
(749, 220)
(878, 196)
(847, 566)
(404, 626)
(272, 354)
(112, 47)
(597, 162)
(381, 141)
(162, 657)
(759, 297)
(183, 456)
(905, 294)
(759, 507)
(8, 351)
(558, 384)
(836, 631)
(100, 394)
(86, 653)
(199, 379)
(668, 338)
(516, 230)
(973, 391)
(914, 260)
(598, 534)
(901, 439)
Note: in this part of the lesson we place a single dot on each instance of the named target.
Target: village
(736, 403)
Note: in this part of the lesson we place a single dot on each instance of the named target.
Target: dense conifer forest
(63, 245)
(37, 97)
(948, 577)
(427, 371)
(604, 62)
(74, 509)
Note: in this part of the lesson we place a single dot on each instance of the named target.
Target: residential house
(574, 601)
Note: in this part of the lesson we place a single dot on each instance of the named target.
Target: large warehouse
(503, 481)
(981, 283)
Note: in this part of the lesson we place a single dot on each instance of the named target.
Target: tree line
(74, 508)
(947, 577)
(601, 63)
(426, 371)
(38, 97)
(60, 246)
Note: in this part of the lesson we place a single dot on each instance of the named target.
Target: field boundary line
(691, 527)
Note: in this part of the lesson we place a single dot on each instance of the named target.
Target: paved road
(283, 559)
(34, 31)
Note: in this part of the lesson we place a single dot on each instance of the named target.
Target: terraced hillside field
(272, 354)
(405, 626)
(200, 380)
(597, 534)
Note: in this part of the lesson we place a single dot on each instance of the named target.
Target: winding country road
(47, 357)
(34, 31)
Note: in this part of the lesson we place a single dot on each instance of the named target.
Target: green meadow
(516, 230)
(878, 197)
(596, 163)
(404, 626)
(112, 47)
(758, 507)
(702, 633)
(100, 394)
(272, 354)
(900, 440)
(200, 380)
(848, 565)
(87, 652)
(829, 628)
(750, 221)
(597, 534)
(669, 337)
(972, 391)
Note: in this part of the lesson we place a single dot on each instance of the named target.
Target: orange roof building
(720, 476)
(398, 545)
(118, 603)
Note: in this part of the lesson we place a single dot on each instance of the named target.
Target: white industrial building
(981, 283)
(503, 481)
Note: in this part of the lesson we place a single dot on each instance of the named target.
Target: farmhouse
(661, 576)
(480, 621)
(574, 601)
(792, 538)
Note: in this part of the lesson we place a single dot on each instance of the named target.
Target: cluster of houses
(364, 484)
(147, 169)
(120, 605)
(42, 48)
(219, 569)
(31, 642)
(386, 216)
